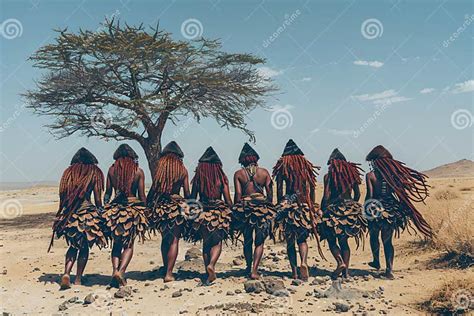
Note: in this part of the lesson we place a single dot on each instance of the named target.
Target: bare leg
(172, 254)
(125, 259)
(336, 252)
(115, 257)
(346, 255)
(303, 248)
(164, 252)
(375, 247)
(387, 235)
(257, 258)
(71, 256)
(81, 263)
(214, 256)
(291, 251)
(248, 243)
(206, 248)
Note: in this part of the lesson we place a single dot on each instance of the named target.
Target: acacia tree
(126, 82)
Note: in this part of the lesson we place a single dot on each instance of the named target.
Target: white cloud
(268, 72)
(306, 79)
(375, 96)
(375, 63)
(427, 90)
(462, 87)
(386, 97)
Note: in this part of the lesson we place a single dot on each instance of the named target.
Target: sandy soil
(29, 275)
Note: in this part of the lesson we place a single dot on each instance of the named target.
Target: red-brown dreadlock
(300, 173)
(247, 160)
(124, 170)
(342, 175)
(77, 180)
(409, 186)
(210, 177)
(169, 170)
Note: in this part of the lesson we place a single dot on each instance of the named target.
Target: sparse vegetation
(453, 297)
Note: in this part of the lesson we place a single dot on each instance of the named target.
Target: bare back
(247, 184)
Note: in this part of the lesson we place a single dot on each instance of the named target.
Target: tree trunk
(152, 148)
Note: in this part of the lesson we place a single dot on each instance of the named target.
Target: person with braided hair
(169, 211)
(343, 215)
(78, 220)
(211, 222)
(392, 190)
(125, 216)
(297, 215)
(252, 212)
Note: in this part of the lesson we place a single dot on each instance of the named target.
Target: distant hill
(460, 169)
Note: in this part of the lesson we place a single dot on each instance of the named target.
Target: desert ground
(29, 275)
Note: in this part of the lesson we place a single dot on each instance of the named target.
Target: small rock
(318, 280)
(237, 262)
(341, 307)
(63, 306)
(230, 293)
(274, 285)
(177, 294)
(237, 291)
(89, 299)
(73, 299)
(123, 292)
(193, 253)
(254, 286)
(147, 284)
(297, 282)
(381, 288)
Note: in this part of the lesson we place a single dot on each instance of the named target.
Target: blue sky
(352, 74)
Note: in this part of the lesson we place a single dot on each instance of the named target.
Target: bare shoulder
(370, 175)
(263, 171)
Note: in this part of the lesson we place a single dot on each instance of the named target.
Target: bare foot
(78, 281)
(254, 275)
(345, 274)
(65, 282)
(388, 275)
(375, 265)
(211, 274)
(168, 278)
(338, 271)
(304, 272)
(118, 277)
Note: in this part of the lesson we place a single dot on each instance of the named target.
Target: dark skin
(244, 187)
(374, 191)
(285, 187)
(81, 255)
(122, 254)
(212, 243)
(170, 238)
(339, 246)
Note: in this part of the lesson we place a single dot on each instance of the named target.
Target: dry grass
(453, 297)
(451, 218)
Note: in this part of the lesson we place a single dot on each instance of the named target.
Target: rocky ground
(29, 276)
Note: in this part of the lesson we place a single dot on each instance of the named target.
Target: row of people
(207, 213)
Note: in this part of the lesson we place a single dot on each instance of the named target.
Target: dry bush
(445, 195)
(453, 297)
(453, 229)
